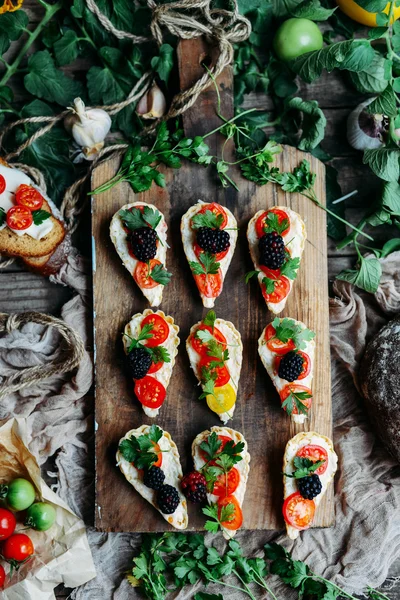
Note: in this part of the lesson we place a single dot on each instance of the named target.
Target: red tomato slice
(217, 209)
(306, 364)
(158, 463)
(141, 274)
(296, 388)
(282, 215)
(2, 576)
(227, 484)
(298, 511)
(224, 440)
(223, 375)
(154, 367)
(236, 521)
(7, 523)
(209, 285)
(28, 196)
(159, 332)
(218, 256)
(199, 346)
(19, 218)
(270, 273)
(150, 392)
(276, 345)
(281, 290)
(2, 184)
(315, 453)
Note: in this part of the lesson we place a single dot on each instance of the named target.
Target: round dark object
(143, 243)
(291, 366)
(154, 478)
(167, 499)
(139, 362)
(194, 487)
(213, 240)
(310, 486)
(272, 250)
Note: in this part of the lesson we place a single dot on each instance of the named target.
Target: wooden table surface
(21, 291)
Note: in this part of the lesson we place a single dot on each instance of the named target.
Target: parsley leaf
(271, 223)
(250, 275)
(304, 467)
(144, 334)
(39, 216)
(159, 354)
(135, 218)
(207, 382)
(159, 274)
(211, 446)
(210, 318)
(218, 516)
(289, 268)
(207, 219)
(140, 450)
(269, 285)
(295, 400)
(286, 329)
(207, 265)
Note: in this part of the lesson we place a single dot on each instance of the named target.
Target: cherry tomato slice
(270, 273)
(7, 523)
(218, 256)
(209, 285)
(276, 345)
(298, 511)
(154, 367)
(236, 520)
(222, 372)
(2, 184)
(2, 576)
(202, 348)
(296, 388)
(227, 484)
(306, 364)
(217, 209)
(281, 290)
(282, 215)
(150, 392)
(315, 453)
(19, 218)
(28, 196)
(17, 548)
(141, 274)
(224, 440)
(159, 332)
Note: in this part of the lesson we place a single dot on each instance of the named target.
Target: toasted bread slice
(243, 466)
(171, 466)
(290, 486)
(50, 263)
(294, 240)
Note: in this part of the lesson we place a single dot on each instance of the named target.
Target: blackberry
(154, 478)
(272, 250)
(291, 366)
(167, 499)
(309, 486)
(194, 487)
(139, 362)
(213, 240)
(143, 243)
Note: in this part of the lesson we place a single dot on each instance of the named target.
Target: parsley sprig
(295, 400)
(286, 329)
(157, 353)
(140, 450)
(219, 462)
(215, 350)
(207, 264)
(217, 516)
(159, 274)
(135, 218)
(207, 219)
(304, 467)
(271, 223)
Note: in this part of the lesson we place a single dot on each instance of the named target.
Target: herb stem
(249, 592)
(246, 112)
(341, 592)
(265, 586)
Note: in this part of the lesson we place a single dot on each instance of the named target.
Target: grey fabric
(366, 538)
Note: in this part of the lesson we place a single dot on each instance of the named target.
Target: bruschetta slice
(151, 344)
(286, 348)
(221, 456)
(309, 466)
(215, 351)
(149, 459)
(276, 240)
(139, 234)
(209, 235)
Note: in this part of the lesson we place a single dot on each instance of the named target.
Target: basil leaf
(39, 216)
(367, 277)
(313, 124)
(384, 162)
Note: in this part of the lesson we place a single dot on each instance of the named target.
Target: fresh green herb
(2, 216)
(158, 353)
(250, 275)
(144, 334)
(204, 335)
(290, 267)
(39, 216)
(296, 401)
(207, 383)
(135, 218)
(304, 467)
(141, 450)
(207, 219)
(271, 223)
(287, 329)
(207, 264)
(210, 318)
(217, 516)
(160, 274)
(269, 284)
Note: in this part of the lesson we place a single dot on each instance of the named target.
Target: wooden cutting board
(116, 297)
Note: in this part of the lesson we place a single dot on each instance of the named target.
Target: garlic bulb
(153, 104)
(365, 130)
(88, 128)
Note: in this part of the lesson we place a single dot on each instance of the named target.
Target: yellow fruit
(223, 400)
(355, 12)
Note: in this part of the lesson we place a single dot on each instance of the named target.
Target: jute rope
(75, 350)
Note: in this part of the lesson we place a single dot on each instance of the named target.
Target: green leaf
(372, 5)
(207, 264)
(39, 216)
(371, 80)
(367, 277)
(160, 274)
(250, 275)
(211, 446)
(6, 94)
(391, 197)
(66, 49)
(390, 246)
(13, 24)
(273, 551)
(207, 219)
(384, 162)
(384, 104)
(313, 124)
(44, 80)
(209, 319)
(290, 267)
(204, 596)
(159, 354)
(163, 63)
(304, 467)
(312, 10)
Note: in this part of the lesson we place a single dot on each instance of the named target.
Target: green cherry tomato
(19, 494)
(296, 37)
(40, 516)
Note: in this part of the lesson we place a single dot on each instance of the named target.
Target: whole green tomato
(19, 494)
(40, 516)
(296, 37)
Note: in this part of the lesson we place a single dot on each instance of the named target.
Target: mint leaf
(39, 216)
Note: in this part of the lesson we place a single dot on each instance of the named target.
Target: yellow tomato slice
(355, 12)
(224, 399)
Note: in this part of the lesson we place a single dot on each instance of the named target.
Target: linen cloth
(366, 538)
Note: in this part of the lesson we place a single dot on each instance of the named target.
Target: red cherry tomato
(2, 184)
(315, 453)
(276, 345)
(298, 511)
(224, 440)
(202, 348)
(150, 392)
(154, 367)
(222, 372)
(217, 209)
(17, 548)
(141, 274)
(306, 364)
(19, 218)
(28, 196)
(159, 332)
(2, 576)
(281, 290)
(218, 256)
(296, 388)
(227, 484)
(236, 520)
(209, 285)
(282, 215)
(7, 523)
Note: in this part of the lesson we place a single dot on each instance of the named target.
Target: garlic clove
(365, 131)
(153, 104)
(88, 127)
